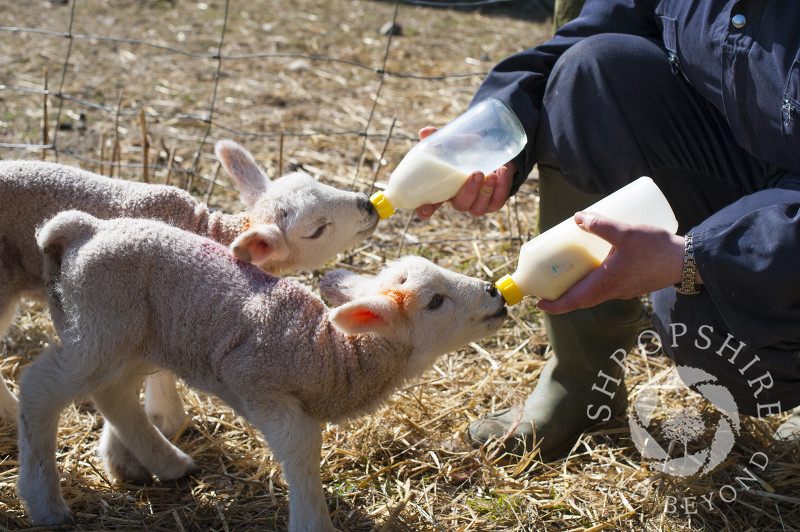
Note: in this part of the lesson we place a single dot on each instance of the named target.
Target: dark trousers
(613, 111)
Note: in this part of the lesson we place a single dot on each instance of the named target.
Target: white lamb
(292, 223)
(127, 295)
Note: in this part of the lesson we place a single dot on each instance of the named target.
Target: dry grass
(406, 467)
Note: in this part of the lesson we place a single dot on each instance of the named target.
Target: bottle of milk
(552, 262)
(484, 138)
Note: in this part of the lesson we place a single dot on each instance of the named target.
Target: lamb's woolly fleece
(267, 346)
(32, 192)
(291, 223)
(221, 324)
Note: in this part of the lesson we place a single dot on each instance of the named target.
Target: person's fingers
(465, 197)
(608, 229)
(426, 132)
(426, 211)
(501, 190)
(481, 202)
(552, 307)
(585, 293)
(556, 307)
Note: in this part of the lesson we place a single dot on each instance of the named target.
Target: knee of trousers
(605, 67)
(763, 380)
(594, 88)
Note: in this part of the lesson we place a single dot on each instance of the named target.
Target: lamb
(267, 346)
(292, 223)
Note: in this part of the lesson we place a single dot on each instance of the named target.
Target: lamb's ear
(244, 171)
(372, 314)
(259, 245)
(341, 286)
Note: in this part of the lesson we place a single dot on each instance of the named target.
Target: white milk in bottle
(483, 139)
(561, 256)
(422, 177)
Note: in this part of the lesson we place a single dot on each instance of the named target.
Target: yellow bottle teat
(509, 290)
(382, 205)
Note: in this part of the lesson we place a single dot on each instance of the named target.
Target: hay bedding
(406, 467)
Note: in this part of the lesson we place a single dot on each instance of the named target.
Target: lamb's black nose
(492, 289)
(365, 204)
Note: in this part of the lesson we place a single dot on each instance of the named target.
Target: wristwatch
(687, 286)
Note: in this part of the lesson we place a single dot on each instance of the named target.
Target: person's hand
(644, 258)
(480, 194)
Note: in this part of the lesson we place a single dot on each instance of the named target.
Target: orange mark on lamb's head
(401, 297)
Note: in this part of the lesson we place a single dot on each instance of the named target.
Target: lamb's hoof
(57, 516)
(180, 465)
(120, 463)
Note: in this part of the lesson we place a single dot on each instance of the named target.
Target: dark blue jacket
(750, 261)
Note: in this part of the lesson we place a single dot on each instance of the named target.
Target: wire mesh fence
(83, 84)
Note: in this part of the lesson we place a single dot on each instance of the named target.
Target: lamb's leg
(296, 441)
(8, 403)
(46, 389)
(165, 409)
(118, 459)
(163, 403)
(128, 421)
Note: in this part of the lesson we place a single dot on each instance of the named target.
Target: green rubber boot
(566, 10)
(582, 383)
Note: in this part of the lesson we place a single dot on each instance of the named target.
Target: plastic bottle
(484, 138)
(552, 262)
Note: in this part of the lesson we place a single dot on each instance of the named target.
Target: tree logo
(683, 428)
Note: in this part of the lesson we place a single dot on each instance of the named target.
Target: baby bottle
(552, 262)
(484, 138)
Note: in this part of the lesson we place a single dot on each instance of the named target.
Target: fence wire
(58, 98)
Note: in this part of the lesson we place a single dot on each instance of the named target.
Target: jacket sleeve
(748, 255)
(520, 80)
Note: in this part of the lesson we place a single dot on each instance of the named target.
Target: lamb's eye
(318, 232)
(436, 302)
